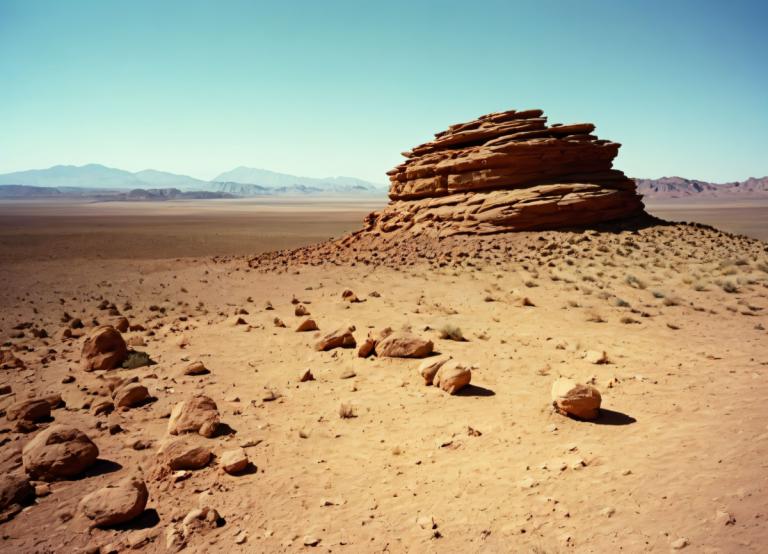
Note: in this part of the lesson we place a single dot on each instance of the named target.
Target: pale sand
(684, 433)
(747, 217)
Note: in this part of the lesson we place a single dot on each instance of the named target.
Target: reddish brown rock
(338, 338)
(507, 171)
(429, 367)
(104, 348)
(198, 414)
(116, 503)
(307, 325)
(15, 492)
(452, 377)
(403, 345)
(575, 399)
(130, 396)
(367, 348)
(29, 410)
(181, 454)
(58, 452)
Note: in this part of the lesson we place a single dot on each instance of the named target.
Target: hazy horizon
(340, 89)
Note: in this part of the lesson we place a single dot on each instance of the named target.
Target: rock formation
(507, 171)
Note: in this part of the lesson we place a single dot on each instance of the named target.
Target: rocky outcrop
(506, 171)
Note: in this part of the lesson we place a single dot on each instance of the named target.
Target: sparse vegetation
(137, 359)
(634, 282)
(729, 287)
(452, 332)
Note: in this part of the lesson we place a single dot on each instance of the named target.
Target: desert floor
(677, 459)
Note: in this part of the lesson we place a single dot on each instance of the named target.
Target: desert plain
(667, 321)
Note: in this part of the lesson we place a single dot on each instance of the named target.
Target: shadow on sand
(474, 390)
(610, 417)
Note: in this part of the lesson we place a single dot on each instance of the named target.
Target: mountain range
(99, 181)
(672, 188)
(241, 181)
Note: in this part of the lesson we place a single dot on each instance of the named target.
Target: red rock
(104, 348)
(116, 503)
(307, 325)
(29, 410)
(404, 345)
(198, 414)
(338, 338)
(58, 452)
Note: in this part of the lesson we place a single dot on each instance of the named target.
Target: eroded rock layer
(504, 172)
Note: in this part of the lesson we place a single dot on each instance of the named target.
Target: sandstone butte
(506, 171)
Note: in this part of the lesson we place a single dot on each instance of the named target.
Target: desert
(395, 277)
(264, 385)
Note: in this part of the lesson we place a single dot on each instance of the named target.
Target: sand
(682, 439)
(747, 217)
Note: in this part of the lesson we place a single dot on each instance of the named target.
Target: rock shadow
(611, 417)
(474, 390)
(149, 518)
(100, 467)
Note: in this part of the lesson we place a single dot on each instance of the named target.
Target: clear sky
(324, 88)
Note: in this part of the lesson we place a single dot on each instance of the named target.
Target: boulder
(338, 338)
(234, 461)
(575, 399)
(29, 410)
(58, 452)
(104, 348)
(130, 396)
(180, 455)
(452, 376)
(300, 310)
(116, 503)
(307, 325)
(428, 368)
(404, 345)
(198, 414)
(15, 492)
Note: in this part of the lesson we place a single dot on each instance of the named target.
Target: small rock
(198, 414)
(596, 357)
(574, 399)
(196, 368)
(234, 461)
(306, 376)
(307, 325)
(680, 543)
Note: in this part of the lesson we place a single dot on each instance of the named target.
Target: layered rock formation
(507, 171)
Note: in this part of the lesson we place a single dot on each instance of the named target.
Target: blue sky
(341, 88)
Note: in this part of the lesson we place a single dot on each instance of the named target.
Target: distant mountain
(163, 179)
(291, 184)
(25, 191)
(239, 189)
(243, 181)
(670, 188)
(88, 176)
